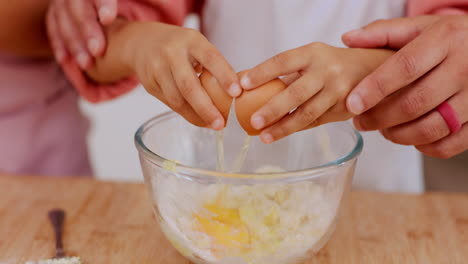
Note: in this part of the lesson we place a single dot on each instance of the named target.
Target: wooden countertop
(113, 223)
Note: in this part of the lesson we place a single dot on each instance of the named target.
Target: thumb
(107, 10)
(389, 33)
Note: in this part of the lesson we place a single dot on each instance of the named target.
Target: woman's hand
(74, 28)
(431, 67)
(165, 58)
(319, 78)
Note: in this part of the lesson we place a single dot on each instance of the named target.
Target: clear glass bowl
(280, 208)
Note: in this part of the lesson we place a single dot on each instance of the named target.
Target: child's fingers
(281, 64)
(212, 60)
(295, 95)
(107, 10)
(300, 118)
(153, 88)
(187, 113)
(329, 117)
(173, 97)
(86, 19)
(191, 116)
(56, 41)
(166, 81)
(338, 112)
(71, 35)
(290, 78)
(191, 89)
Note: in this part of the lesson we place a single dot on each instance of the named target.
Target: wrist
(123, 39)
(116, 63)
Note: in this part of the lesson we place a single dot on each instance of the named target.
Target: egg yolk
(224, 225)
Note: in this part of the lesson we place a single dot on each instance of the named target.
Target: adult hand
(430, 67)
(74, 28)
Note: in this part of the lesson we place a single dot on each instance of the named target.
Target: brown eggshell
(252, 100)
(220, 98)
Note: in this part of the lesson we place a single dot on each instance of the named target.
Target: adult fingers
(429, 128)
(71, 35)
(413, 101)
(288, 62)
(107, 10)
(448, 146)
(281, 104)
(85, 17)
(391, 33)
(55, 38)
(189, 86)
(408, 64)
(300, 118)
(212, 60)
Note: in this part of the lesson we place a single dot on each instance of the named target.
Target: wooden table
(112, 223)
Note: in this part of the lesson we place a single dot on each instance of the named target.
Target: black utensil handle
(57, 217)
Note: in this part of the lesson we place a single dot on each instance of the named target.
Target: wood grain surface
(113, 223)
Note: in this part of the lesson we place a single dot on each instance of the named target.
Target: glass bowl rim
(192, 173)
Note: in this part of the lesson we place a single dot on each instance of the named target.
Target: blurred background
(114, 156)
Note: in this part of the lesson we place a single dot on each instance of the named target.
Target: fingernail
(355, 104)
(245, 82)
(234, 90)
(82, 60)
(354, 32)
(257, 122)
(217, 124)
(266, 138)
(104, 12)
(93, 46)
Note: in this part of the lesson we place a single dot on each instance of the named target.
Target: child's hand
(165, 57)
(319, 77)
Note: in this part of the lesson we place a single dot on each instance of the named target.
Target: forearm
(115, 64)
(22, 28)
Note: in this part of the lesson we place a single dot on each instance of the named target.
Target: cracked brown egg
(246, 104)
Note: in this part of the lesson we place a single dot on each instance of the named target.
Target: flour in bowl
(253, 224)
